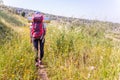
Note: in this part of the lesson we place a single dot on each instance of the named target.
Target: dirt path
(42, 73)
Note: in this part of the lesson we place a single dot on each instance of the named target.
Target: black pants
(39, 42)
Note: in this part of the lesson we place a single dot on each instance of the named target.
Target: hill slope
(71, 52)
(13, 48)
(7, 21)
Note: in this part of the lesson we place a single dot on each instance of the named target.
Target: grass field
(71, 53)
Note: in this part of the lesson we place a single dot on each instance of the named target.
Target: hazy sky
(106, 10)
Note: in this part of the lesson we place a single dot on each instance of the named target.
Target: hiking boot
(38, 62)
(41, 62)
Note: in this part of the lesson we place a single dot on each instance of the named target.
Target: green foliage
(6, 34)
(11, 19)
(77, 53)
(23, 14)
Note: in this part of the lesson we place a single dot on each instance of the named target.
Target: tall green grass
(80, 54)
(16, 59)
(5, 34)
(71, 53)
(15, 50)
(12, 19)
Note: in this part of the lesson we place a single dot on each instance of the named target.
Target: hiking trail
(42, 73)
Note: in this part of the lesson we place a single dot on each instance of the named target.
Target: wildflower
(22, 59)
(91, 68)
(13, 75)
(89, 75)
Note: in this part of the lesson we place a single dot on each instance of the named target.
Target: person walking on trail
(37, 34)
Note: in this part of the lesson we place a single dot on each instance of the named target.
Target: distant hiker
(37, 34)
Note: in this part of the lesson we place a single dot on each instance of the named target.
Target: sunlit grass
(81, 53)
(71, 54)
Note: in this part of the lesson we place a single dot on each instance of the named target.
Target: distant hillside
(64, 20)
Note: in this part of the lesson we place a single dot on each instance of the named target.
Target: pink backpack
(37, 26)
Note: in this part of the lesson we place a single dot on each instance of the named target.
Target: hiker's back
(37, 26)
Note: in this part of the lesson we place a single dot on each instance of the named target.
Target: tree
(23, 14)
